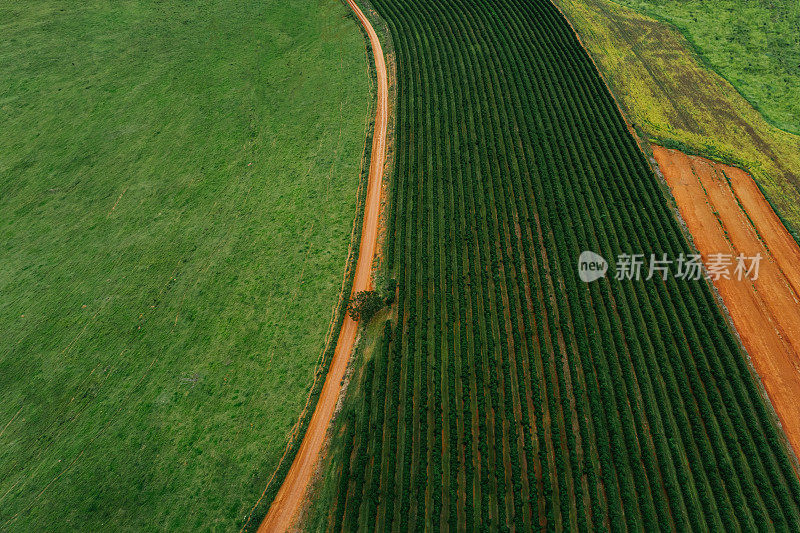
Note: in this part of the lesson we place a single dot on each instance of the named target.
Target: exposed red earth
(290, 497)
(726, 213)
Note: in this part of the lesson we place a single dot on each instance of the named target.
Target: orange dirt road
(726, 213)
(289, 500)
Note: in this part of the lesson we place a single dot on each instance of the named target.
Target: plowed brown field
(726, 213)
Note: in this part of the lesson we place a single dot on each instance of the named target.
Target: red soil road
(290, 498)
(766, 311)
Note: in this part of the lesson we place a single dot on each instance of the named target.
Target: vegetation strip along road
(290, 496)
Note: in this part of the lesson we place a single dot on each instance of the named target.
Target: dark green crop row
(509, 394)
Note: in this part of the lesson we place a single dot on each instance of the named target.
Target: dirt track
(289, 500)
(766, 312)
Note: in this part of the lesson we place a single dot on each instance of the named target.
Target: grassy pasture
(674, 97)
(177, 191)
(754, 44)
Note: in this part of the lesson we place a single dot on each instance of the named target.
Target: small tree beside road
(364, 305)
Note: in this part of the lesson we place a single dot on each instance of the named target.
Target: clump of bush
(390, 290)
(364, 305)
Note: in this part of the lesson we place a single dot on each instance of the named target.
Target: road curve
(289, 500)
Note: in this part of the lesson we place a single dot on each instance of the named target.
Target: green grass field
(754, 44)
(177, 191)
(674, 97)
